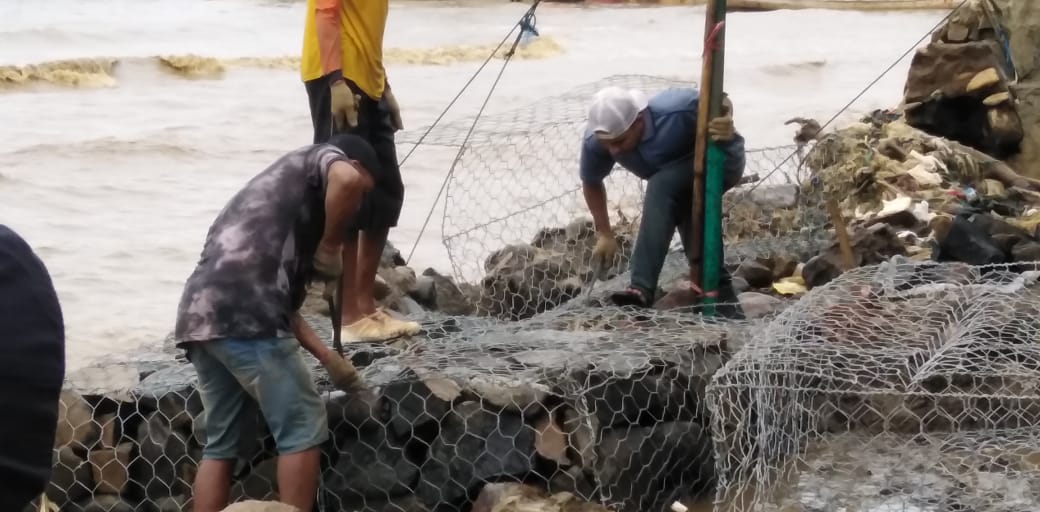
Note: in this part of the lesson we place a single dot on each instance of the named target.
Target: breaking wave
(102, 71)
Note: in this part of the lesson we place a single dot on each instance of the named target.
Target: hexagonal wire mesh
(515, 223)
(603, 404)
(565, 403)
(903, 386)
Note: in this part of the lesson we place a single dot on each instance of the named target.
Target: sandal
(630, 297)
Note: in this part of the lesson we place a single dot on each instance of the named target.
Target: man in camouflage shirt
(239, 313)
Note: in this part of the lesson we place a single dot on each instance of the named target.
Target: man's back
(253, 269)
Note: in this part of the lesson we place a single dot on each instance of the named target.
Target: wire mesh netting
(525, 382)
(564, 403)
(903, 386)
(516, 226)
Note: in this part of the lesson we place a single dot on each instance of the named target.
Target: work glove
(603, 254)
(721, 128)
(343, 374)
(395, 110)
(344, 105)
(328, 262)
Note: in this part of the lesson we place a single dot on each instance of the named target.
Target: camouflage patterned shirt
(253, 271)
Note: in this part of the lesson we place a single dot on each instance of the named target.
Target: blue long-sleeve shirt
(668, 136)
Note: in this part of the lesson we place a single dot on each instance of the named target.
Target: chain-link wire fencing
(599, 408)
(902, 386)
(518, 232)
(571, 399)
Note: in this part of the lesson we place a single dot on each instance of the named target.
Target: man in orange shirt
(342, 69)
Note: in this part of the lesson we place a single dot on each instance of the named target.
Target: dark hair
(358, 149)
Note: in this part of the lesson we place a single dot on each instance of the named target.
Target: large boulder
(960, 91)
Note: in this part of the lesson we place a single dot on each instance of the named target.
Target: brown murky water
(113, 166)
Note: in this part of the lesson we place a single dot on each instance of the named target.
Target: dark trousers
(381, 207)
(668, 206)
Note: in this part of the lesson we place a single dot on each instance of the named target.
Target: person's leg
(353, 309)
(276, 375)
(728, 305)
(662, 206)
(320, 101)
(389, 202)
(379, 212)
(225, 402)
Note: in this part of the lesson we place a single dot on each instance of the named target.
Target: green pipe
(714, 163)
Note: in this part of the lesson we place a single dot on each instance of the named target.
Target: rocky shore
(563, 402)
(526, 387)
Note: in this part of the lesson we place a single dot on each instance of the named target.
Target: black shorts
(381, 207)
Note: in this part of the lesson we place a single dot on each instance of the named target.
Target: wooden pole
(842, 233)
(696, 245)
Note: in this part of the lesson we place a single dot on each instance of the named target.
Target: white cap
(613, 110)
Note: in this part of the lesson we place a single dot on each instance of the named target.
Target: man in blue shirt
(653, 139)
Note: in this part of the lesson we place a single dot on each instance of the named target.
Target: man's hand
(721, 128)
(395, 110)
(603, 254)
(328, 262)
(344, 105)
(342, 373)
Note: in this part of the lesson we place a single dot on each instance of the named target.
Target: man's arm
(596, 199)
(733, 149)
(309, 339)
(595, 165)
(326, 25)
(343, 193)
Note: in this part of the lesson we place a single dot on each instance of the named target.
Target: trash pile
(929, 182)
(928, 197)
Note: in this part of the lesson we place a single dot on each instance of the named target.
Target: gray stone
(1026, 250)
(775, 196)
(71, 478)
(103, 503)
(163, 460)
(173, 504)
(756, 274)
(261, 483)
(367, 461)
(636, 461)
(648, 396)
(758, 305)
(391, 256)
(411, 405)
(174, 379)
(376, 504)
(408, 307)
(475, 446)
(424, 292)
(76, 426)
(450, 299)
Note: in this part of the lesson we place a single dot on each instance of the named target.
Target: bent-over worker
(239, 312)
(654, 140)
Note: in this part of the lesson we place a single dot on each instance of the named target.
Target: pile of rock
(560, 407)
(520, 280)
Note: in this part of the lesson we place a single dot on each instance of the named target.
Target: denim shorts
(237, 376)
